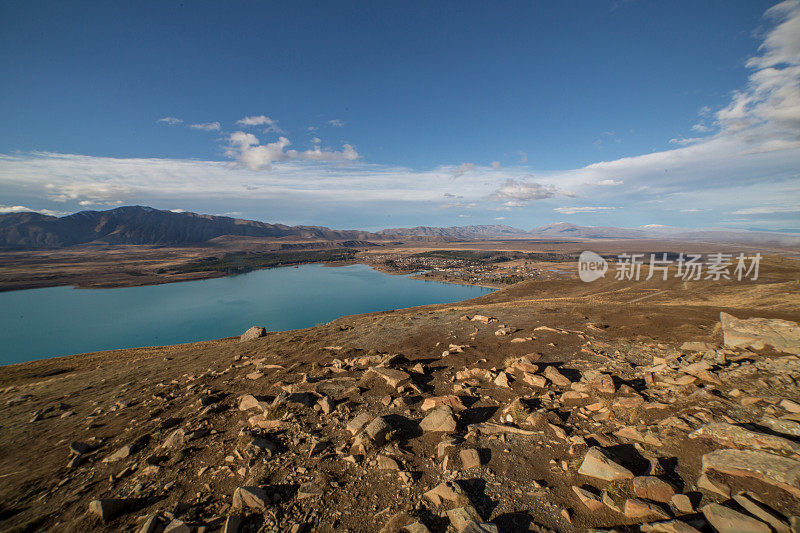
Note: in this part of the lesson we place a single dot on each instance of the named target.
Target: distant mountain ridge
(564, 230)
(146, 225)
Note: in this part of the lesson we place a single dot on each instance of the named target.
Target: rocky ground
(547, 406)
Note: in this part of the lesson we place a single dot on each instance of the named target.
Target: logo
(591, 266)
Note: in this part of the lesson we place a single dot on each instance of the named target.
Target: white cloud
(177, 210)
(516, 193)
(523, 157)
(347, 153)
(496, 165)
(499, 218)
(206, 126)
(316, 140)
(462, 169)
(464, 216)
(609, 183)
(256, 120)
(766, 210)
(574, 210)
(172, 121)
(336, 123)
(261, 120)
(247, 150)
(685, 141)
(6, 209)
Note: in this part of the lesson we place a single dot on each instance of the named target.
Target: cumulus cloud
(496, 165)
(206, 126)
(172, 121)
(462, 169)
(516, 193)
(587, 209)
(246, 150)
(609, 183)
(336, 123)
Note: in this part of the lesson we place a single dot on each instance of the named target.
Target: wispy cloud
(462, 169)
(574, 210)
(206, 126)
(172, 121)
(336, 123)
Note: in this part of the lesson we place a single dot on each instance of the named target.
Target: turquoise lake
(41, 323)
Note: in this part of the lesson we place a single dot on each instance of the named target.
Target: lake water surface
(40, 323)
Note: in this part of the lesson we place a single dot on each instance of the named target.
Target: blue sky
(374, 115)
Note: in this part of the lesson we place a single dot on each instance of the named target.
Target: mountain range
(146, 225)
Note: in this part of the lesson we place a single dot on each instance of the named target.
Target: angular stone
(439, 419)
(558, 379)
(682, 503)
(385, 462)
(394, 378)
(309, 490)
(737, 436)
(502, 380)
(358, 423)
(534, 380)
(597, 465)
(588, 499)
(760, 510)
(785, 427)
(152, 524)
(782, 335)
(110, 508)
(326, 405)
(470, 458)
(653, 488)
(453, 401)
(706, 484)
(178, 526)
(791, 406)
(639, 510)
(668, 526)
(448, 491)
(775, 470)
(248, 401)
(461, 516)
(250, 498)
(377, 430)
(474, 526)
(252, 334)
(726, 520)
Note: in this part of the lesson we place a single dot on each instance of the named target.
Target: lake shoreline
(279, 299)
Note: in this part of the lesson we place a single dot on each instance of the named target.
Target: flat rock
(449, 491)
(668, 526)
(775, 470)
(782, 335)
(760, 510)
(377, 430)
(682, 503)
(451, 400)
(639, 510)
(653, 488)
(558, 379)
(439, 419)
(394, 378)
(252, 334)
(737, 436)
(597, 465)
(726, 520)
